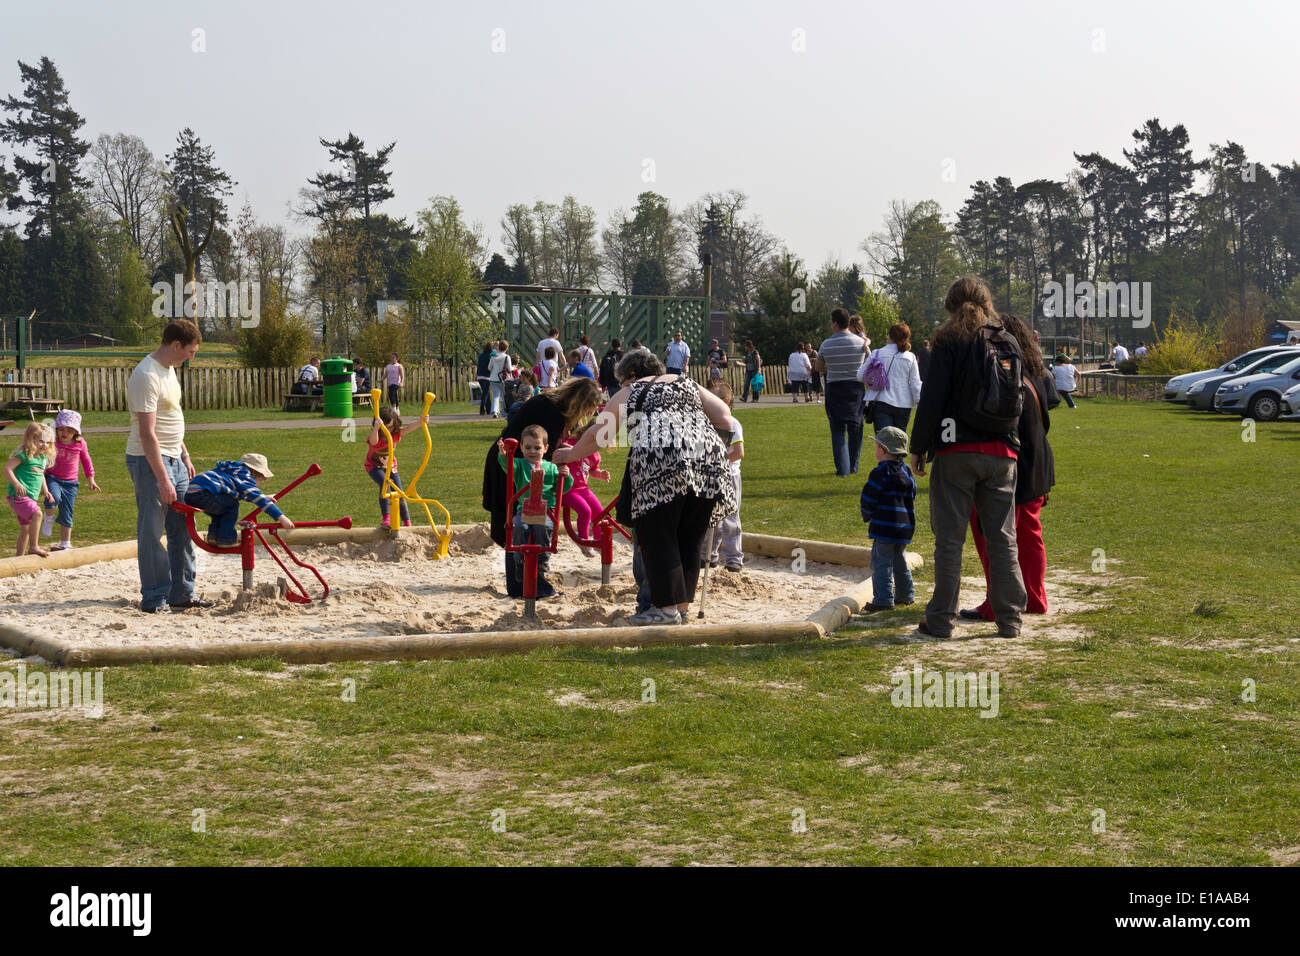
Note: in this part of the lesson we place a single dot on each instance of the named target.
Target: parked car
(1291, 403)
(1201, 395)
(1257, 396)
(1176, 388)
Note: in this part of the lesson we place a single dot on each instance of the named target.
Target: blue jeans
(377, 476)
(65, 495)
(483, 391)
(846, 445)
(166, 574)
(889, 568)
(643, 602)
(884, 416)
(528, 534)
(1068, 399)
(495, 403)
(222, 509)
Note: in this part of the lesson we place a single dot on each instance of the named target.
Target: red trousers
(1032, 553)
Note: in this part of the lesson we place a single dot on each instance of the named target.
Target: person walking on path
(678, 354)
(892, 381)
(838, 359)
(484, 378)
(967, 424)
(800, 375)
(752, 362)
(160, 469)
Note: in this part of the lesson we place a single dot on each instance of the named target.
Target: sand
(387, 588)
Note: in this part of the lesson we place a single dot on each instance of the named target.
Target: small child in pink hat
(71, 456)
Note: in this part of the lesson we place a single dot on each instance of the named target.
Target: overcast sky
(821, 111)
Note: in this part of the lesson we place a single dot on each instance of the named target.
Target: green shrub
(1185, 346)
(280, 339)
(378, 340)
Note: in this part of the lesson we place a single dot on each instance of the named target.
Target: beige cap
(257, 463)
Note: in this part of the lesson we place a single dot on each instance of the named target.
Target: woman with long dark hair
(974, 462)
(1035, 476)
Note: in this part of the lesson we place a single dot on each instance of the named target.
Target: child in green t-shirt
(25, 470)
(532, 448)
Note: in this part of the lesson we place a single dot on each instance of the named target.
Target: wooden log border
(821, 623)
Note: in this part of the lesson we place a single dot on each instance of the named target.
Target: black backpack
(607, 364)
(989, 396)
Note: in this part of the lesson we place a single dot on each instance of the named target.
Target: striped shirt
(843, 354)
(887, 502)
(233, 478)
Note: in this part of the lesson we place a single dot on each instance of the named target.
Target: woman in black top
(1035, 476)
(556, 410)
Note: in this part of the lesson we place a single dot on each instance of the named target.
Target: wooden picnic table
(26, 399)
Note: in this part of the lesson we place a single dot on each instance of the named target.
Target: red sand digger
(250, 533)
(534, 511)
(604, 527)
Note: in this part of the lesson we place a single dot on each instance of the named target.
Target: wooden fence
(1113, 385)
(104, 389)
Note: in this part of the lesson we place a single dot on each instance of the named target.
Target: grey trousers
(726, 534)
(959, 481)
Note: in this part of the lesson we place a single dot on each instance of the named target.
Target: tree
(66, 281)
(519, 274)
(1165, 169)
(915, 257)
(442, 280)
(787, 315)
(13, 292)
(130, 319)
(280, 339)
(649, 278)
(196, 208)
(361, 186)
(129, 183)
(44, 121)
(652, 232)
(497, 272)
(878, 313)
(742, 250)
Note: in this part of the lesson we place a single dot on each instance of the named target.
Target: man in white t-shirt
(678, 355)
(160, 469)
(800, 375)
(1141, 351)
(309, 380)
(551, 341)
(1118, 354)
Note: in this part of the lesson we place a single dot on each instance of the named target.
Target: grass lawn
(211, 355)
(1133, 708)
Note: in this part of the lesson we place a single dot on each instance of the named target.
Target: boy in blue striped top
(218, 492)
(887, 507)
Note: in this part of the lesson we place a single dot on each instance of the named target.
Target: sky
(822, 112)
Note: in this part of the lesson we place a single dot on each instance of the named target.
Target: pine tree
(197, 200)
(498, 271)
(1165, 168)
(43, 121)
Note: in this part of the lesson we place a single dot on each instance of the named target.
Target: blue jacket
(887, 500)
(233, 478)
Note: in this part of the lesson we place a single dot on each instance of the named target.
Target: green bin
(337, 375)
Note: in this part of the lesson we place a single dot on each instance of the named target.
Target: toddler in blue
(887, 504)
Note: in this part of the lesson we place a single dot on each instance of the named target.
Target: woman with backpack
(967, 424)
(1035, 476)
(893, 381)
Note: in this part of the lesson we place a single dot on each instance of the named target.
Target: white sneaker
(47, 526)
(656, 615)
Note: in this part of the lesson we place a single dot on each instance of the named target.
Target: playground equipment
(411, 495)
(250, 533)
(604, 527)
(534, 512)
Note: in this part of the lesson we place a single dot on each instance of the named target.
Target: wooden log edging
(821, 623)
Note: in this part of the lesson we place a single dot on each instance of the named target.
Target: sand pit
(387, 588)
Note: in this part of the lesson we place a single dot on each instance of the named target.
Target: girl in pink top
(71, 456)
(586, 506)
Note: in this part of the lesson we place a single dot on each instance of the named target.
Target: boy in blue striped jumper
(887, 500)
(217, 494)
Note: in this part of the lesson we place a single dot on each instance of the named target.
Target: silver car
(1291, 403)
(1257, 396)
(1176, 388)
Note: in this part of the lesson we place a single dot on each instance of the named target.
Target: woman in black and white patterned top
(678, 481)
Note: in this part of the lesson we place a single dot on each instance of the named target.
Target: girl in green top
(25, 470)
